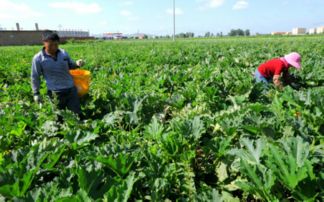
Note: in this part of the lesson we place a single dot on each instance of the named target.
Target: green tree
(207, 34)
(247, 32)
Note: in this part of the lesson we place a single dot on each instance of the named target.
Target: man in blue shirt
(54, 64)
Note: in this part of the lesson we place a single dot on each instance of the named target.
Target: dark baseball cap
(49, 35)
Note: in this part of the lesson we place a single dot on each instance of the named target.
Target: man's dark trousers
(67, 99)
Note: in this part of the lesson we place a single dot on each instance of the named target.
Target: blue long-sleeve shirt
(54, 70)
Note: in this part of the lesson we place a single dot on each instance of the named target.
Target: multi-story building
(299, 31)
(312, 31)
(320, 30)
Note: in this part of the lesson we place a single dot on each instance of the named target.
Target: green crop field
(167, 121)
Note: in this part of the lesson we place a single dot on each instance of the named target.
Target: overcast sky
(155, 16)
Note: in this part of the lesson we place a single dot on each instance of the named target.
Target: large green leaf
(93, 182)
(290, 163)
(120, 164)
(123, 190)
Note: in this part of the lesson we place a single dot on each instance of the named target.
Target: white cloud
(127, 3)
(215, 3)
(205, 4)
(178, 11)
(77, 7)
(103, 23)
(134, 18)
(16, 11)
(241, 4)
(129, 15)
(125, 13)
(285, 3)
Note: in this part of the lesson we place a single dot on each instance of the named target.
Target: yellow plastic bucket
(81, 80)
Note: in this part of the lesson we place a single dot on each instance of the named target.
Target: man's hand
(80, 63)
(37, 99)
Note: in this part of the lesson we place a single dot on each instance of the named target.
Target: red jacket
(273, 67)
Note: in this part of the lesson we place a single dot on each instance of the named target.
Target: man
(278, 69)
(54, 64)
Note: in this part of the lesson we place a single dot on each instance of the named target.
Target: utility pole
(174, 20)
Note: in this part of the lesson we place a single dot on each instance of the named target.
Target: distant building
(13, 37)
(20, 37)
(139, 36)
(111, 36)
(34, 37)
(280, 33)
(299, 31)
(312, 31)
(73, 34)
(320, 30)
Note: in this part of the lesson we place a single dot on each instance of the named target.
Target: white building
(73, 33)
(312, 31)
(320, 30)
(298, 31)
(278, 33)
(111, 35)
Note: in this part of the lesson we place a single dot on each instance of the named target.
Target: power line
(174, 20)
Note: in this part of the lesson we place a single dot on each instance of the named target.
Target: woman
(277, 69)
